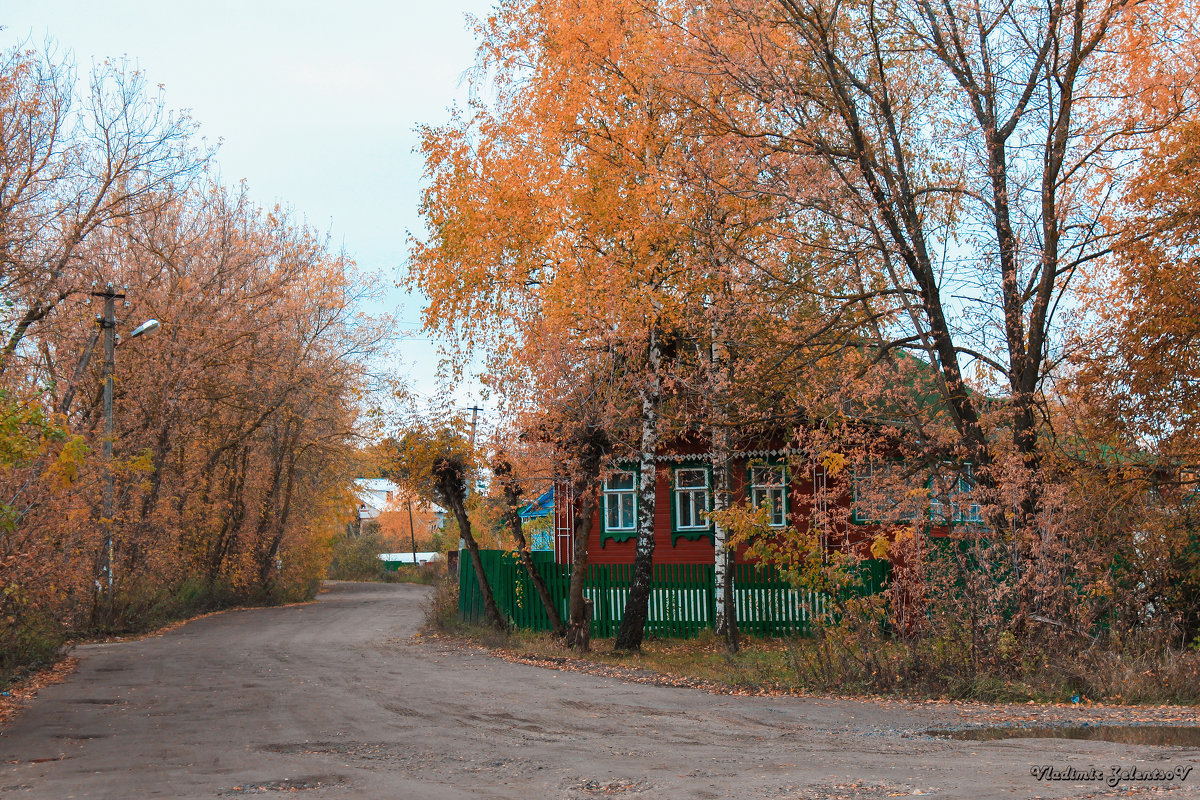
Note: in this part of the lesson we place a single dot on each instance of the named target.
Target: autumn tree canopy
(234, 424)
(880, 229)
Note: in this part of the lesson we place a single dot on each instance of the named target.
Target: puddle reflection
(1154, 735)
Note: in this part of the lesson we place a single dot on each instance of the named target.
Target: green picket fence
(682, 596)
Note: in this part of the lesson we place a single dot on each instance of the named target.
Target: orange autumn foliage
(234, 424)
(846, 227)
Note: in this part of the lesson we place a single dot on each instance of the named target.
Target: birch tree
(517, 245)
(974, 149)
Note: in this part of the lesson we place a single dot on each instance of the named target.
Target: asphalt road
(335, 700)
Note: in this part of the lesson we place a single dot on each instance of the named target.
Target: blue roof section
(542, 507)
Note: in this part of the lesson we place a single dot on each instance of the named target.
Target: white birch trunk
(725, 616)
(633, 622)
(646, 457)
(721, 564)
(647, 468)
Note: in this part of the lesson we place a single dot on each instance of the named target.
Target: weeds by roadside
(801, 666)
(424, 574)
(441, 611)
(848, 661)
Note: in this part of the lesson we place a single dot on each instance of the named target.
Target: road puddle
(1153, 735)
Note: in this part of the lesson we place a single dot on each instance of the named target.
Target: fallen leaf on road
(23, 691)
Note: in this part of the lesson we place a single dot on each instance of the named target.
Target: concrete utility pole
(108, 323)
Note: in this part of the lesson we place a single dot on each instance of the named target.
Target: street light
(149, 326)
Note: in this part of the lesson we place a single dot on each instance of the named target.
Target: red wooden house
(792, 485)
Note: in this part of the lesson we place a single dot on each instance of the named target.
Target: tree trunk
(637, 604)
(485, 589)
(266, 530)
(512, 500)
(267, 568)
(726, 613)
(721, 376)
(592, 451)
(231, 525)
(492, 612)
(579, 627)
(451, 485)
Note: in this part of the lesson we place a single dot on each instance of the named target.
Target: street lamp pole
(108, 323)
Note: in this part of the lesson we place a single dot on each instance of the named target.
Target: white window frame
(760, 491)
(962, 503)
(615, 494)
(679, 493)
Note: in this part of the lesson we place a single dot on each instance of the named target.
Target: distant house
(383, 502)
(392, 560)
(540, 536)
(374, 496)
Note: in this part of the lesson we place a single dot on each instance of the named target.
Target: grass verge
(801, 666)
(424, 574)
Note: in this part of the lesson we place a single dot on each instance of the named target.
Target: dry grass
(425, 574)
(441, 610)
(804, 666)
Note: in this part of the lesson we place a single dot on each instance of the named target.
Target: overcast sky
(315, 102)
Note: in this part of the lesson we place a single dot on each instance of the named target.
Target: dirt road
(335, 700)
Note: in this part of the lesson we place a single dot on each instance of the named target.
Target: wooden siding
(857, 537)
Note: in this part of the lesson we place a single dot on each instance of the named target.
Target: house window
(882, 494)
(768, 487)
(820, 500)
(620, 503)
(691, 499)
(961, 504)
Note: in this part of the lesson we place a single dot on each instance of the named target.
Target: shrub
(357, 558)
(441, 612)
(425, 574)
